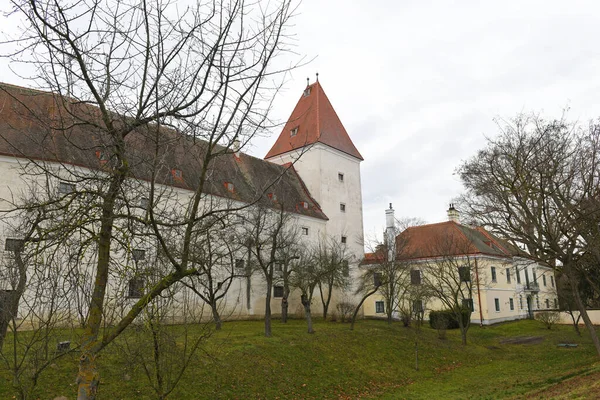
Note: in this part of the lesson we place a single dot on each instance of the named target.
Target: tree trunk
(463, 329)
(583, 314)
(284, 302)
(326, 300)
(307, 314)
(88, 379)
(365, 297)
(268, 310)
(216, 317)
(9, 300)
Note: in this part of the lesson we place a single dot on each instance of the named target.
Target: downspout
(478, 293)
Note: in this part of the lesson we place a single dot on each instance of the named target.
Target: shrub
(345, 308)
(448, 319)
(548, 318)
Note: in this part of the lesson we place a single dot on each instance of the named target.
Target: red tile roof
(28, 122)
(451, 239)
(316, 121)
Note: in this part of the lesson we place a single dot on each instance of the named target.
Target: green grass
(373, 361)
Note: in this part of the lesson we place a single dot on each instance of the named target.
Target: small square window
(377, 279)
(344, 239)
(497, 304)
(379, 307)
(272, 196)
(415, 277)
(66, 188)
(467, 304)
(294, 132)
(278, 291)
(303, 204)
(340, 177)
(14, 245)
(464, 274)
(101, 155)
(229, 186)
(342, 207)
(305, 231)
(239, 263)
(418, 306)
(138, 254)
(307, 91)
(136, 288)
(144, 203)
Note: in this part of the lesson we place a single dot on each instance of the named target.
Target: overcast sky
(418, 84)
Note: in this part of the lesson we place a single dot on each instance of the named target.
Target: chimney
(453, 214)
(236, 148)
(390, 232)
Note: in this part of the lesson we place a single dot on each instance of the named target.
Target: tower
(315, 140)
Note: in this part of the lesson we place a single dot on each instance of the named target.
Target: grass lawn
(373, 361)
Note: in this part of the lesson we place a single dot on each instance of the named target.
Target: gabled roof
(28, 129)
(451, 239)
(316, 122)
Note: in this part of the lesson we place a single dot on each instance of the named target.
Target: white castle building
(312, 171)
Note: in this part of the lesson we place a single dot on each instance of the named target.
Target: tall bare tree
(333, 262)
(536, 184)
(120, 75)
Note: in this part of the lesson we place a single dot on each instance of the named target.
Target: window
(344, 239)
(144, 203)
(552, 280)
(556, 303)
(101, 155)
(65, 188)
(278, 291)
(533, 272)
(340, 177)
(229, 187)
(342, 207)
(138, 254)
(14, 245)
(307, 91)
(377, 279)
(177, 173)
(379, 308)
(467, 304)
(465, 274)
(136, 288)
(511, 304)
(497, 304)
(294, 132)
(305, 231)
(537, 302)
(518, 274)
(507, 275)
(417, 306)
(521, 302)
(272, 196)
(544, 279)
(303, 204)
(239, 264)
(547, 303)
(493, 274)
(415, 277)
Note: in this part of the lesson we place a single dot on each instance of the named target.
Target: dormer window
(307, 91)
(101, 155)
(304, 204)
(177, 173)
(229, 187)
(294, 132)
(272, 196)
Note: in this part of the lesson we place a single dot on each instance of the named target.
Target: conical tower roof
(313, 120)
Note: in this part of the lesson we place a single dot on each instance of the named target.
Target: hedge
(447, 319)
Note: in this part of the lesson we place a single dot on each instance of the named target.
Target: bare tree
(333, 262)
(269, 235)
(368, 284)
(448, 277)
(120, 74)
(307, 275)
(536, 184)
